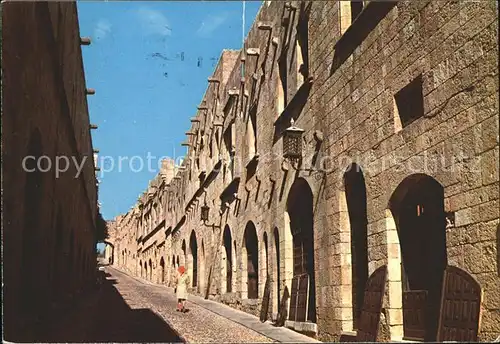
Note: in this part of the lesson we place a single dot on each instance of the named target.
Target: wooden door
(414, 311)
(265, 300)
(293, 298)
(302, 298)
(460, 314)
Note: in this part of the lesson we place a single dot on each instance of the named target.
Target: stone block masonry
(399, 111)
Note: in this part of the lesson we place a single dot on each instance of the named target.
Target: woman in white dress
(181, 285)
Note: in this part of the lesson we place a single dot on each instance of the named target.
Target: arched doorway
(355, 193)
(140, 264)
(417, 206)
(251, 246)
(145, 270)
(150, 277)
(193, 248)
(300, 212)
(202, 267)
(229, 258)
(162, 271)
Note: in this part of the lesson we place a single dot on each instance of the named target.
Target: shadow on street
(104, 316)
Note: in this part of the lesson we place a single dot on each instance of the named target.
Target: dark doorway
(193, 247)
(417, 205)
(355, 191)
(300, 210)
(150, 270)
(251, 246)
(277, 265)
(140, 265)
(184, 252)
(229, 259)
(266, 251)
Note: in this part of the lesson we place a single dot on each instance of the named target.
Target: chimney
(167, 170)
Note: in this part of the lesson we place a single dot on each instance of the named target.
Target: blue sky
(149, 63)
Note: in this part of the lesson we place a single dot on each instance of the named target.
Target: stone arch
(193, 259)
(418, 218)
(355, 225)
(227, 268)
(250, 260)
(112, 248)
(300, 216)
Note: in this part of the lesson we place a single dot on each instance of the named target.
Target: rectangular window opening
(410, 102)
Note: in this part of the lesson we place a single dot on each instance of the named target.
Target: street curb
(181, 337)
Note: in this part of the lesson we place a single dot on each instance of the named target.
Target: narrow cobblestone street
(197, 325)
(129, 310)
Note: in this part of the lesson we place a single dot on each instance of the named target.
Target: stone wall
(49, 218)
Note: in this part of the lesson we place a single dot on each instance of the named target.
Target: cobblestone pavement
(198, 325)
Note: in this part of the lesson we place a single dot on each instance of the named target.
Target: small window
(409, 103)
(356, 8)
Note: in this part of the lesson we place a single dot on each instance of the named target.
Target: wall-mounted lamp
(292, 142)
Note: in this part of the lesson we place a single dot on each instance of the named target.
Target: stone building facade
(396, 107)
(49, 219)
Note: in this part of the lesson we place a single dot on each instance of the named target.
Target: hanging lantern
(204, 213)
(292, 142)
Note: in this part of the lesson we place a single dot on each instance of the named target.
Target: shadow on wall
(106, 317)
